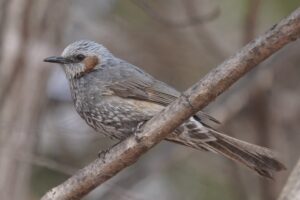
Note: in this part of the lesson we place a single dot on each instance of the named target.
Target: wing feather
(141, 86)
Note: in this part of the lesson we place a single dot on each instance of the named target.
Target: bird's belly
(118, 118)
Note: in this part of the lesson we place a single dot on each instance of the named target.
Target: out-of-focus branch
(8, 82)
(3, 16)
(21, 100)
(251, 20)
(49, 164)
(11, 183)
(194, 99)
(195, 20)
(291, 190)
(48, 22)
(261, 119)
(66, 169)
(231, 104)
(203, 35)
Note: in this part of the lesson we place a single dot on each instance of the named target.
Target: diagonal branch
(291, 190)
(192, 100)
(194, 20)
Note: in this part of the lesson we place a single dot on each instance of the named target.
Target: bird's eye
(80, 57)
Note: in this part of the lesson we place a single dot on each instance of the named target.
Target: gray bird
(115, 97)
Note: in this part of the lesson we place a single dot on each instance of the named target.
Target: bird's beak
(57, 59)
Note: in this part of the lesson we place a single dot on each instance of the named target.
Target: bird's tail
(260, 159)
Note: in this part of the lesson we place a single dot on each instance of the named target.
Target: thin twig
(195, 20)
(195, 98)
(3, 20)
(251, 20)
(204, 36)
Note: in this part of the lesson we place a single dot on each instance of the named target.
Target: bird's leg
(138, 130)
(102, 153)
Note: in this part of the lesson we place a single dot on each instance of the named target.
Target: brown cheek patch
(90, 63)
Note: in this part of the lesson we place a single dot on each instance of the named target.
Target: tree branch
(192, 100)
(291, 190)
(250, 25)
(195, 20)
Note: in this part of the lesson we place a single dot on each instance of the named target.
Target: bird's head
(82, 57)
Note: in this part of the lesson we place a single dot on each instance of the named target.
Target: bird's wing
(144, 90)
(132, 82)
(141, 86)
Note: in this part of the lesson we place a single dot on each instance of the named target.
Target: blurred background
(43, 141)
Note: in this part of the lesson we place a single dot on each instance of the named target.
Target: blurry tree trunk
(4, 4)
(20, 100)
(23, 21)
(291, 190)
(259, 107)
(22, 95)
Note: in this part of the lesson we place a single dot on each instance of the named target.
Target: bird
(115, 97)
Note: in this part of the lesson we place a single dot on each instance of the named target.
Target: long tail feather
(257, 158)
(260, 159)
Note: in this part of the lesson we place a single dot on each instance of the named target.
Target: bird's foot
(102, 154)
(138, 130)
